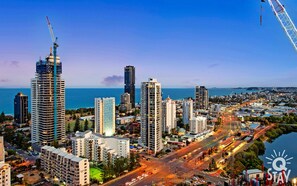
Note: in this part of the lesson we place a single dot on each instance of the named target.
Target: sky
(182, 43)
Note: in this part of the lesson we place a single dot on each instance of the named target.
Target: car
(144, 175)
(133, 180)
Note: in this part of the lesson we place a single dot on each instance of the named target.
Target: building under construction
(42, 103)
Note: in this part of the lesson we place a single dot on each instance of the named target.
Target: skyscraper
(105, 116)
(187, 110)
(201, 97)
(42, 103)
(168, 115)
(20, 109)
(151, 115)
(130, 83)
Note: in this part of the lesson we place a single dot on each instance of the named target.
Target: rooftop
(61, 152)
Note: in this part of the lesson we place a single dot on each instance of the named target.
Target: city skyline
(223, 42)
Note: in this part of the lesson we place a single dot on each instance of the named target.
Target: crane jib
(285, 20)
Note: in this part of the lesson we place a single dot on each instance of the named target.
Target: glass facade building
(21, 109)
(105, 116)
(130, 83)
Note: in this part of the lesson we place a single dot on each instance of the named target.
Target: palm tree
(86, 127)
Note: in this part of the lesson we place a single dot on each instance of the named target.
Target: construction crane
(284, 19)
(55, 46)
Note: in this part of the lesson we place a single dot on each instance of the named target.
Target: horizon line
(213, 87)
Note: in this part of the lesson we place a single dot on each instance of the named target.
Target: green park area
(96, 174)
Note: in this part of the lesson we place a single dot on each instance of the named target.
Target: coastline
(259, 148)
(76, 98)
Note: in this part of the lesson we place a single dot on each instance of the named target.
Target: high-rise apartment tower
(20, 109)
(151, 115)
(201, 97)
(105, 116)
(130, 83)
(42, 103)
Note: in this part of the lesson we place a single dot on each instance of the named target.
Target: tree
(38, 163)
(86, 127)
(81, 112)
(2, 117)
(212, 165)
(76, 125)
(11, 152)
(108, 170)
(93, 125)
(9, 135)
(120, 165)
(55, 143)
(68, 128)
(132, 162)
(74, 116)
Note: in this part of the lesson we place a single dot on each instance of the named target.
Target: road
(171, 164)
(174, 168)
(21, 153)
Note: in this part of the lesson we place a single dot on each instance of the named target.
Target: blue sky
(181, 43)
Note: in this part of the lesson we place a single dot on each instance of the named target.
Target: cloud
(12, 63)
(213, 65)
(113, 80)
(4, 80)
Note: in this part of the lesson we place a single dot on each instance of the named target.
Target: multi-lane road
(174, 167)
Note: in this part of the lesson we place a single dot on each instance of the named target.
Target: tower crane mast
(55, 46)
(285, 20)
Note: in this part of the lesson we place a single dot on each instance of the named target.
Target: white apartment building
(66, 167)
(4, 167)
(168, 115)
(151, 115)
(187, 110)
(198, 124)
(105, 116)
(97, 147)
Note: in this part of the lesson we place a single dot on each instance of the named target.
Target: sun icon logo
(279, 161)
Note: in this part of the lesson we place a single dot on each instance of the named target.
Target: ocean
(84, 97)
(283, 143)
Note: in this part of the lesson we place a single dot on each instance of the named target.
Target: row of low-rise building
(65, 167)
(198, 124)
(261, 110)
(99, 148)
